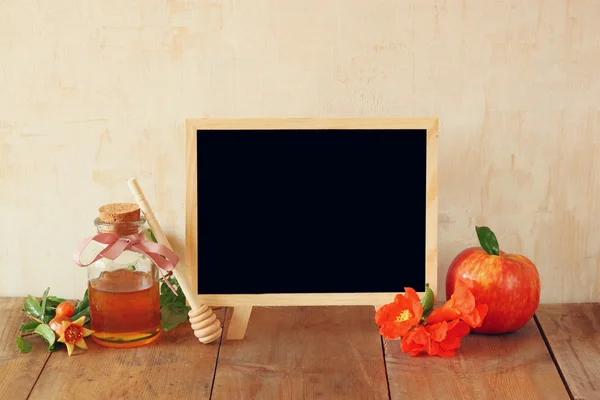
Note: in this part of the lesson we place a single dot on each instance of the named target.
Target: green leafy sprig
(41, 313)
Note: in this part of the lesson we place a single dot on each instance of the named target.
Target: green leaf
(80, 314)
(487, 240)
(53, 301)
(53, 347)
(28, 326)
(23, 344)
(43, 306)
(82, 305)
(166, 294)
(427, 301)
(82, 309)
(50, 313)
(174, 310)
(131, 268)
(32, 307)
(173, 315)
(46, 332)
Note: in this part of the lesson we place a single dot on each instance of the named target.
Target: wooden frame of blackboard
(243, 303)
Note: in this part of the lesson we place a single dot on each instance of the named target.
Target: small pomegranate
(65, 309)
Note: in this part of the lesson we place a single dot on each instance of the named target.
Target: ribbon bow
(163, 257)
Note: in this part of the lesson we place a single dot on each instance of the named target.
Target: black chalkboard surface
(311, 211)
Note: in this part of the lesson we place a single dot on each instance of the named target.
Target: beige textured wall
(93, 92)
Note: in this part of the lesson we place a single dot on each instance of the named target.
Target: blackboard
(305, 211)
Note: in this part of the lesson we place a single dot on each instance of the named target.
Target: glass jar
(124, 293)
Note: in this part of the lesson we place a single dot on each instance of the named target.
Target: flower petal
(475, 317)
(382, 313)
(438, 331)
(456, 331)
(70, 348)
(87, 332)
(482, 309)
(81, 343)
(464, 301)
(402, 302)
(411, 294)
(394, 330)
(464, 282)
(444, 313)
(416, 341)
(417, 309)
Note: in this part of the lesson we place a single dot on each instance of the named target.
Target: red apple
(508, 283)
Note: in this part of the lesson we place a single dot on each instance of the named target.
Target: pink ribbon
(162, 256)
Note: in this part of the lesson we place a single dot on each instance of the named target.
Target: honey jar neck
(122, 229)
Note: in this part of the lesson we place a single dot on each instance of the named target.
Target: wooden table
(315, 353)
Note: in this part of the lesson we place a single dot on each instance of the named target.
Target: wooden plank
(573, 334)
(314, 352)
(18, 372)
(513, 366)
(177, 366)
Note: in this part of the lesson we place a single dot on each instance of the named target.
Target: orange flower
(73, 333)
(460, 306)
(395, 319)
(416, 341)
(441, 339)
(446, 337)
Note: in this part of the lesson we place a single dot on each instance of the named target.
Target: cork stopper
(119, 212)
(122, 219)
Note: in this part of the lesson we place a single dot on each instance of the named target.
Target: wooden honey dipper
(207, 328)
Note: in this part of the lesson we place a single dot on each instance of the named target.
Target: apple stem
(487, 240)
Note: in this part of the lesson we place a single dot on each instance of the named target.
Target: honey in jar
(123, 293)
